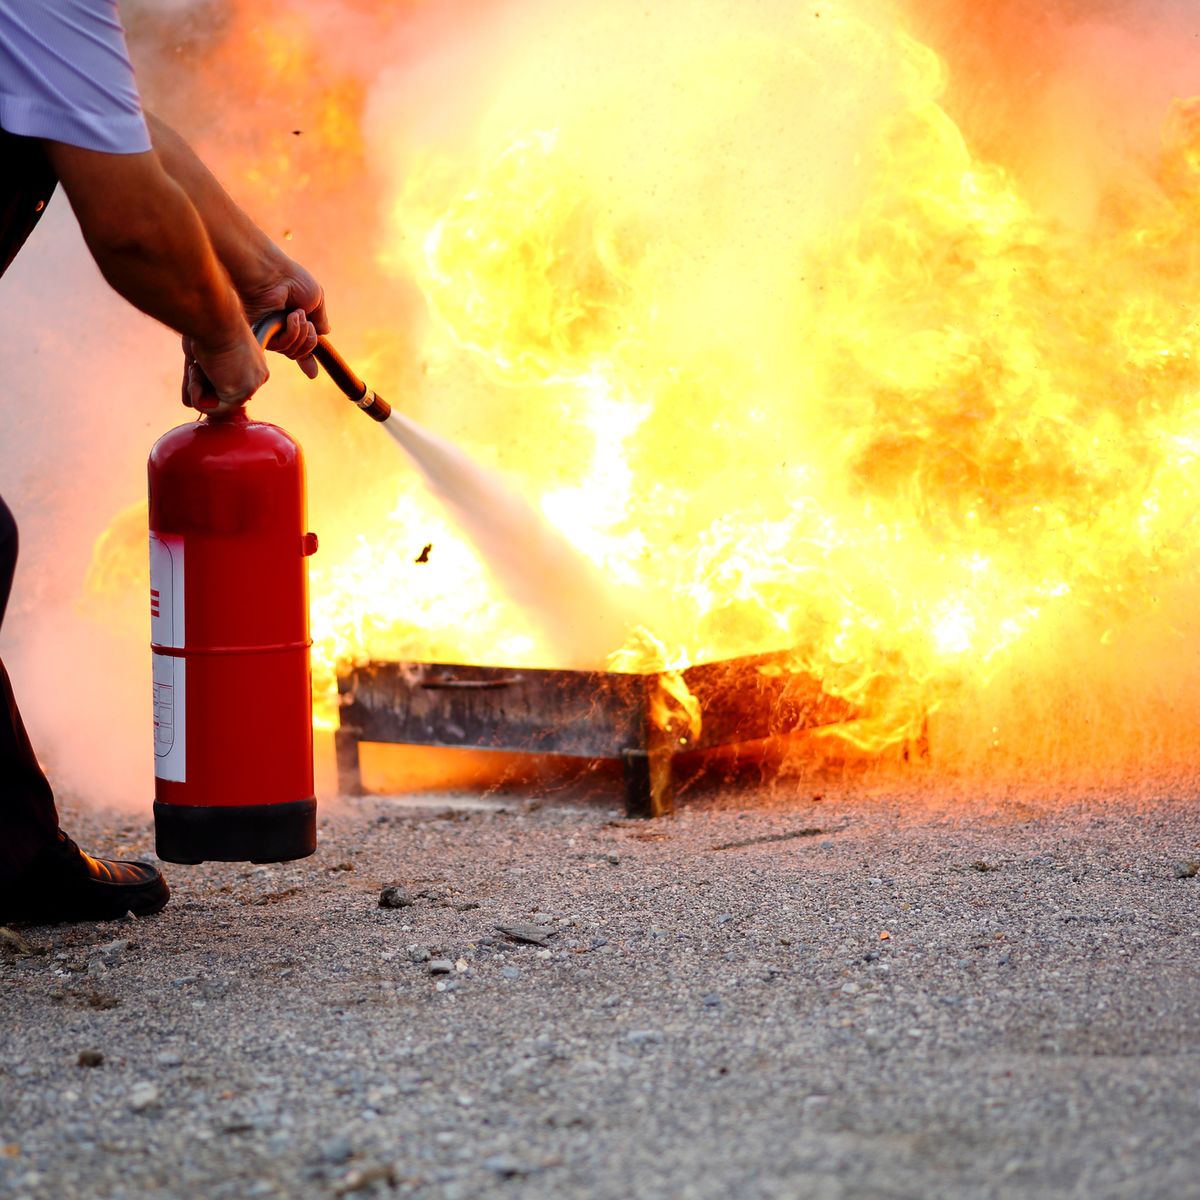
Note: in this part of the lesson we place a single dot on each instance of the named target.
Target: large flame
(732, 296)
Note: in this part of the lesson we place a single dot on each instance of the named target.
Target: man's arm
(151, 245)
(265, 278)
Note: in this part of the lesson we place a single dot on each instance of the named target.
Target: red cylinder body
(230, 644)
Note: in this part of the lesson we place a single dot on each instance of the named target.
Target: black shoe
(64, 884)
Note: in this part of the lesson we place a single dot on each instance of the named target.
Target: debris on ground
(395, 897)
(521, 931)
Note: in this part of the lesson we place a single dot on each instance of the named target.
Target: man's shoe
(64, 884)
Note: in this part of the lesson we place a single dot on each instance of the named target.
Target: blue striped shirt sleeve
(65, 75)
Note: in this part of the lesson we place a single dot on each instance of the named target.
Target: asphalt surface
(851, 992)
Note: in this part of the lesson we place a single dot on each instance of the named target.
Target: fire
(736, 300)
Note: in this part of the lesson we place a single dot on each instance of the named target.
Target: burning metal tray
(578, 714)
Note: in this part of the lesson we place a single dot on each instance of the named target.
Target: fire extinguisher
(229, 544)
(233, 776)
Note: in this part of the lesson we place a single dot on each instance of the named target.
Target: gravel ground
(862, 993)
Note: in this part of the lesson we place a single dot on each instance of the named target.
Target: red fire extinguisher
(233, 776)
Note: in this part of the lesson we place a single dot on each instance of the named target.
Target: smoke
(1070, 96)
(313, 113)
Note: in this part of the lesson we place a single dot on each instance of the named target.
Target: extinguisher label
(167, 629)
(170, 718)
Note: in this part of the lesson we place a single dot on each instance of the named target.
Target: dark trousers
(28, 819)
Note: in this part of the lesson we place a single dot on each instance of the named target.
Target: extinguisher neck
(234, 416)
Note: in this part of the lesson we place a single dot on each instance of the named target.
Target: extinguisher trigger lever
(265, 328)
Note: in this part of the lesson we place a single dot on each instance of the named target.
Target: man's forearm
(244, 250)
(151, 245)
(149, 242)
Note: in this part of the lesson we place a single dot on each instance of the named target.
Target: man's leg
(44, 876)
(28, 820)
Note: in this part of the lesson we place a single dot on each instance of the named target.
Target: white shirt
(65, 75)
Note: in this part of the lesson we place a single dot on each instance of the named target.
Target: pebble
(91, 1058)
(142, 1097)
(336, 1151)
(724, 918)
(441, 966)
(111, 951)
(850, 989)
(395, 897)
(510, 972)
(712, 1000)
(168, 1058)
(536, 935)
(506, 1166)
(419, 954)
(643, 1037)
(1187, 869)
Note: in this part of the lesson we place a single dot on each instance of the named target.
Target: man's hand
(281, 283)
(218, 379)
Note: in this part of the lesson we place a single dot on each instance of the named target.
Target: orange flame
(735, 299)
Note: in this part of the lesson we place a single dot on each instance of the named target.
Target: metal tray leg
(349, 772)
(648, 790)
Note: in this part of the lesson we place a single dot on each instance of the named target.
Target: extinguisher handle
(340, 371)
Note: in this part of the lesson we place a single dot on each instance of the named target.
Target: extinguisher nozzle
(375, 406)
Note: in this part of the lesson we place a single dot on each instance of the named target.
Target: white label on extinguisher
(167, 629)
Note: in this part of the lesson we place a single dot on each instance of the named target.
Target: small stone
(168, 1058)
(1187, 869)
(724, 918)
(395, 897)
(541, 918)
(336, 1151)
(510, 973)
(462, 966)
(643, 1037)
(544, 954)
(506, 1166)
(96, 967)
(111, 951)
(143, 1096)
(91, 1058)
(850, 989)
(535, 935)
(441, 966)
(419, 954)
(712, 1000)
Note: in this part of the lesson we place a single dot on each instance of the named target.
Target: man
(166, 237)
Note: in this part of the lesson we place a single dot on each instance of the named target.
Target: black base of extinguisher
(257, 833)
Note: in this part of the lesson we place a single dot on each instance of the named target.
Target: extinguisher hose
(336, 367)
